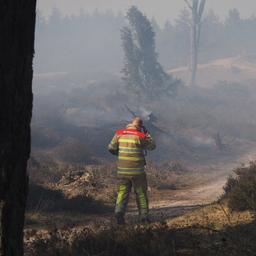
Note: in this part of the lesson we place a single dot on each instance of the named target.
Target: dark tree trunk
(17, 25)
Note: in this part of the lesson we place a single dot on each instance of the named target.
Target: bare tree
(17, 25)
(197, 9)
(218, 142)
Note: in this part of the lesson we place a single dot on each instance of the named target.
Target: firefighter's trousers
(139, 184)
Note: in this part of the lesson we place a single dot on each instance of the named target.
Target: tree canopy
(142, 73)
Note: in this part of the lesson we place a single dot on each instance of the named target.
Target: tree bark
(17, 26)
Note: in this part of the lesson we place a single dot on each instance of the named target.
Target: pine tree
(131, 69)
(143, 74)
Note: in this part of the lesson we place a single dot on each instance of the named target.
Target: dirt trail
(184, 200)
(187, 199)
(199, 195)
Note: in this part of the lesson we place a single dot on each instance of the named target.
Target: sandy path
(184, 200)
(198, 195)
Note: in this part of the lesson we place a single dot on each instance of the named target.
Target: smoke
(79, 93)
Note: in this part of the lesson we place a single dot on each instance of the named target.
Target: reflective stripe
(129, 141)
(143, 204)
(130, 168)
(129, 149)
(122, 190)
(130, 172)
(131, 152)
(132, 148)
(130, 158)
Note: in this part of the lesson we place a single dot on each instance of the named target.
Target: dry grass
(208, 230)
(216, 216)
(60, 222)
(194, 234)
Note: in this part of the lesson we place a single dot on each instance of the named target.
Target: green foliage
(143, 74)
(241, 190)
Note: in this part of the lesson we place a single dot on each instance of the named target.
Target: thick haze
(80, 98)
(161, 9)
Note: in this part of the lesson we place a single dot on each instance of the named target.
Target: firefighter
(130, 145)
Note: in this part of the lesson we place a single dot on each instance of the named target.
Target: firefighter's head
(137, 121)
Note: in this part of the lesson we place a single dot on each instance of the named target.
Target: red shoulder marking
(131, 132)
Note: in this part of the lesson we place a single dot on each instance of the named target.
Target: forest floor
(202, 186)
(186, 220)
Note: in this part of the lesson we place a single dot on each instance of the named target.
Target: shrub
(240, 190)
(73, 151)
(113, 241)
(42, 199)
